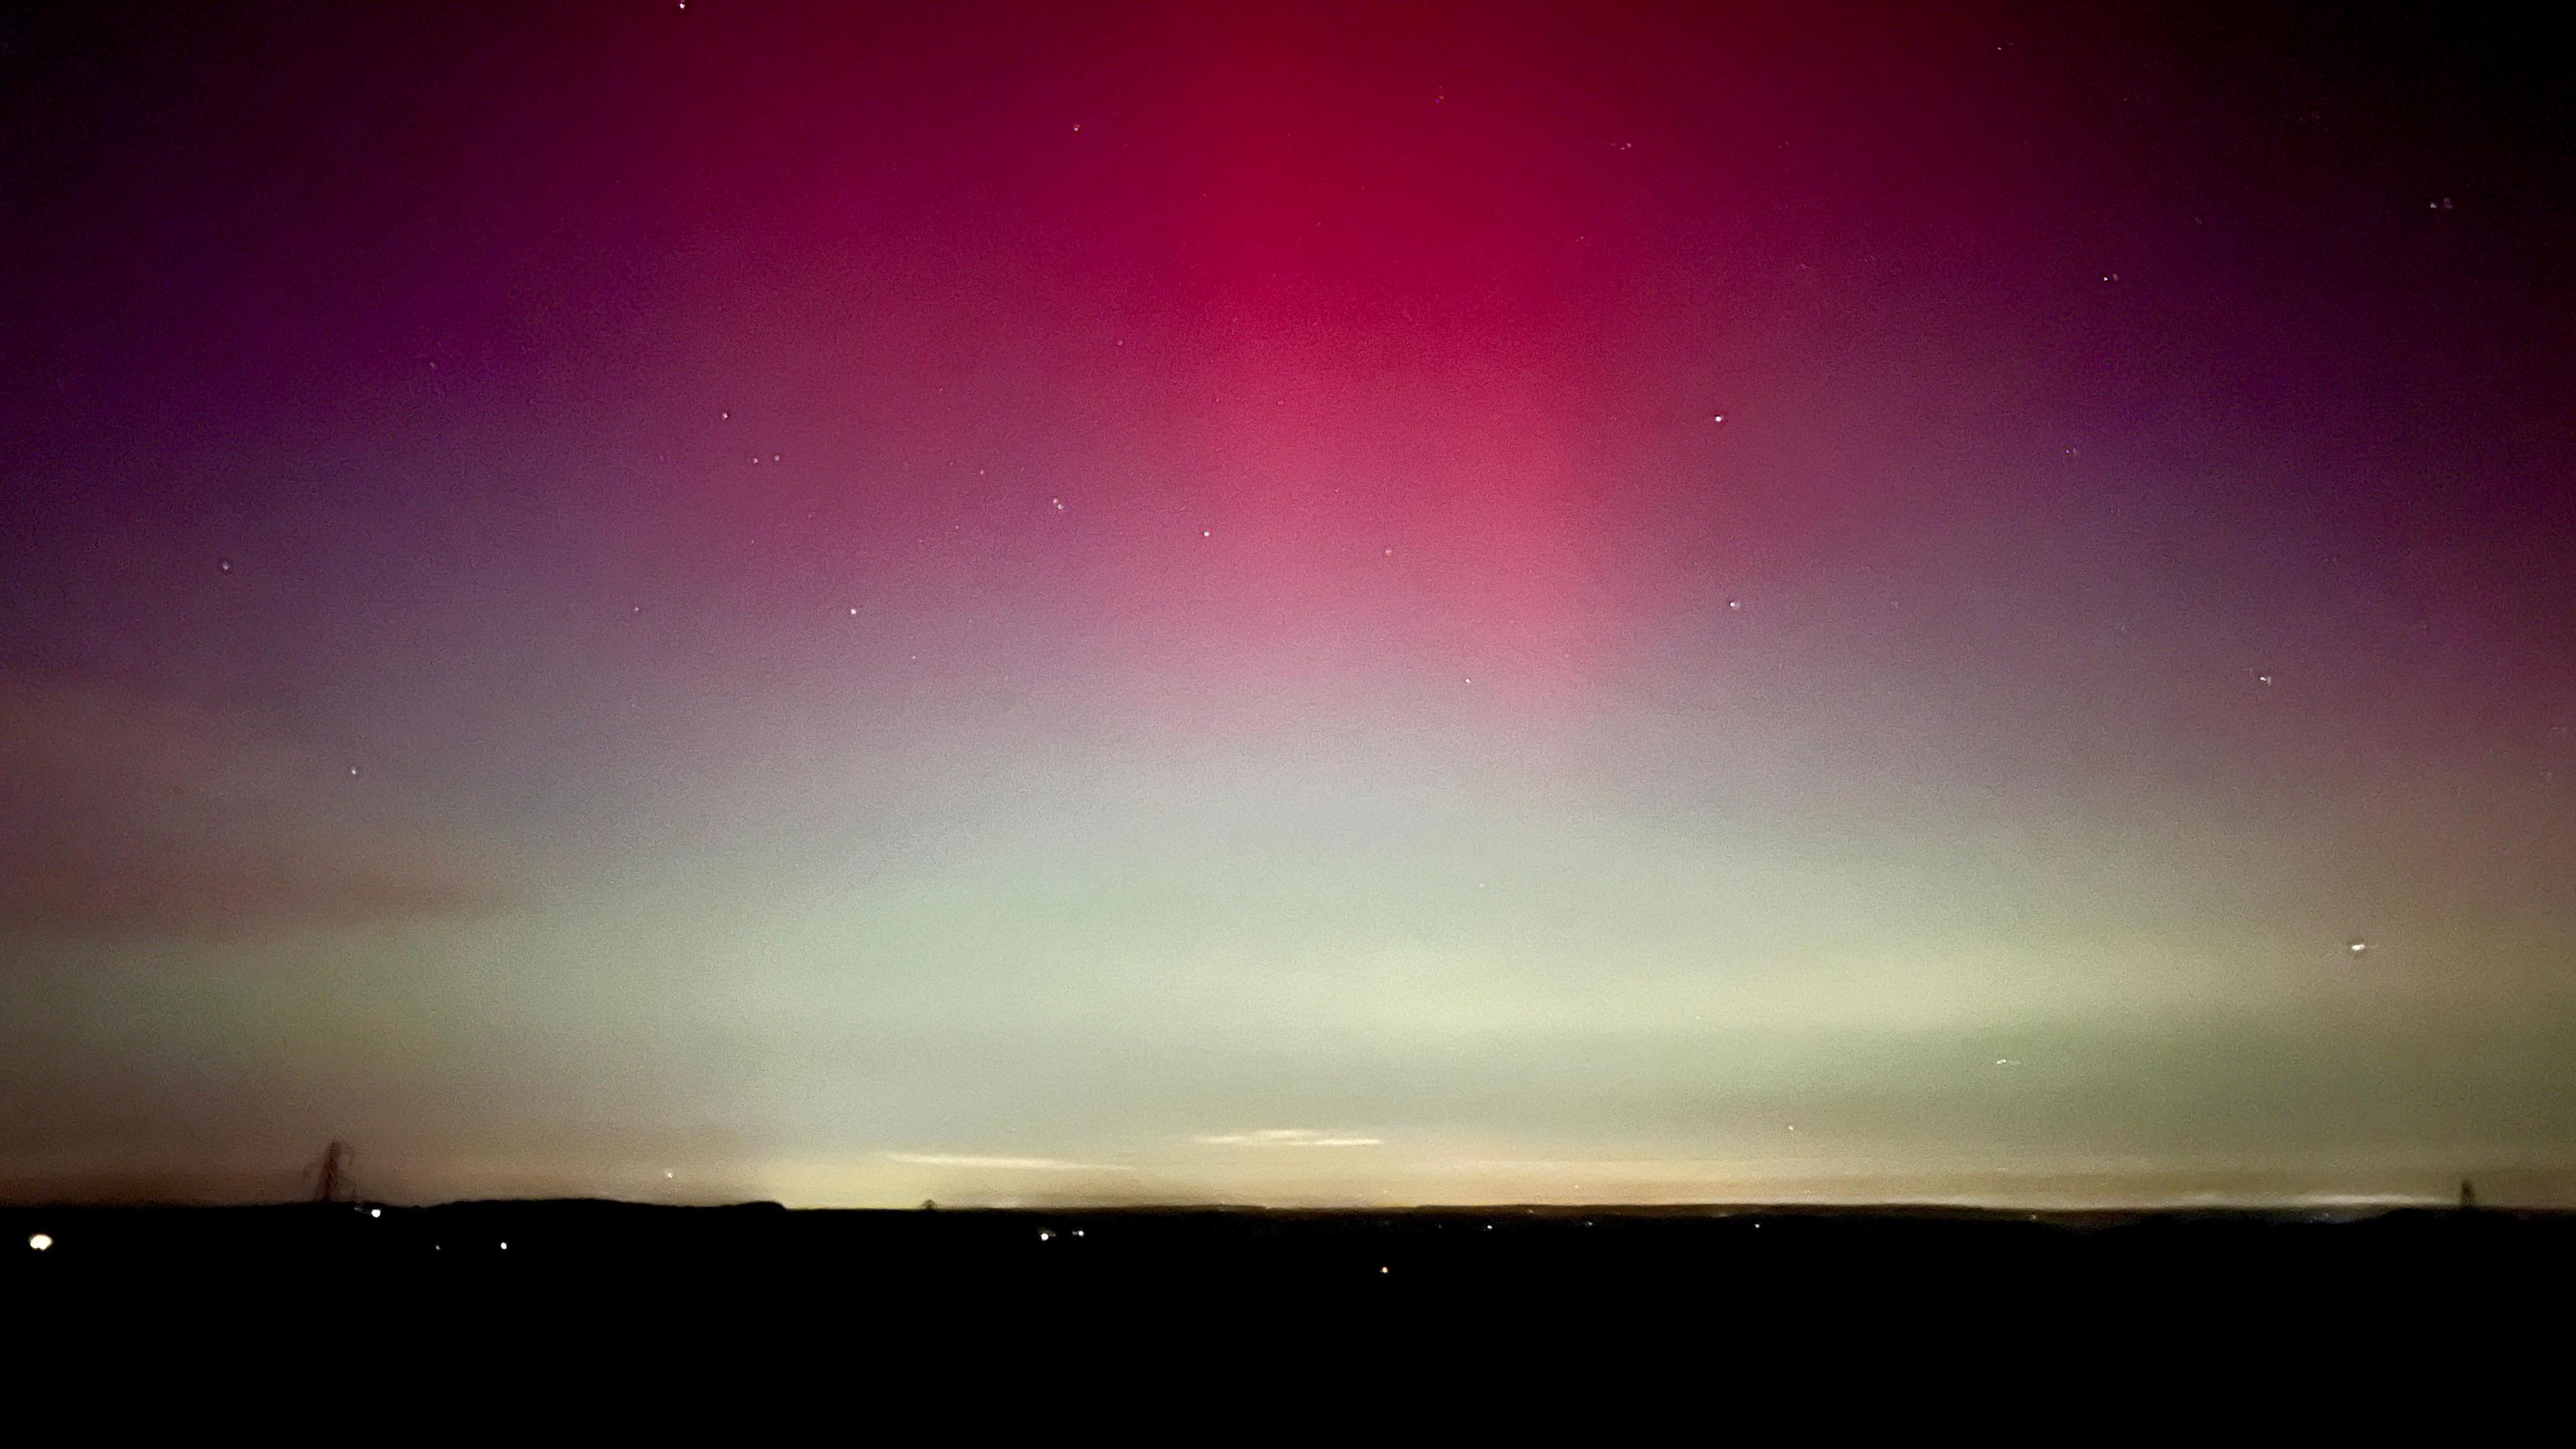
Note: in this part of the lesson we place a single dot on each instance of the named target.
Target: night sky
(1308, 603)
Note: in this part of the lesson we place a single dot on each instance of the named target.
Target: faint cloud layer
(126, 816)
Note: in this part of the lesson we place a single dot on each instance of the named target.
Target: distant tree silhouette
(2468, 1194)
(332, 1174)
(928, 1206)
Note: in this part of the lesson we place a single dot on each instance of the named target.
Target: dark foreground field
(2454, 1254)
(1753, 1297)
(1982, 1321)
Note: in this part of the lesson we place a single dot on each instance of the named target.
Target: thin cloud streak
(1003, 1164)
(1286, 1137)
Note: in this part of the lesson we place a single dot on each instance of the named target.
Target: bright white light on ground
(40, 1241)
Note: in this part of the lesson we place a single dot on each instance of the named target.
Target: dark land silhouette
(950, 1249)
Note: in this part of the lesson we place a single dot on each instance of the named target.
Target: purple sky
(1317, 603)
